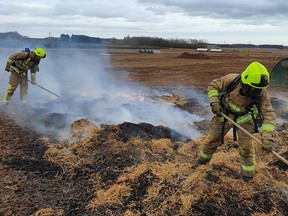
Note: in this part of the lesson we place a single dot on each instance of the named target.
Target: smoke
(280, 105)
(91, 88)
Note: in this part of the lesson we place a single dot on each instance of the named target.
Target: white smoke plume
(92, 89)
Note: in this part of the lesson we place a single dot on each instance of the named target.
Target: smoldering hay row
(90, 88)
(128, 151)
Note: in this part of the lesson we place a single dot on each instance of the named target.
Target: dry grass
(49, 212)
(161, 179)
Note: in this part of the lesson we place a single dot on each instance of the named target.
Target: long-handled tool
(255, 138)
(44, 89)
(36, 84)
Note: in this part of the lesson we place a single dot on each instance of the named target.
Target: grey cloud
(68, 8)
(133, 10)
(130, 11)
(8, 9)
(230, 9)
(97, 9)
(163, 18)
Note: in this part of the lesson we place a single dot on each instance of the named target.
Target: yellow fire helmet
(256, 76)
(40, 52)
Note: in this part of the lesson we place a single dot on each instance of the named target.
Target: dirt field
(143, 169)
(170, 69)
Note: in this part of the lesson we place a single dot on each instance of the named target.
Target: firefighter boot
(200, 162)
(247, 172)
(7, 98)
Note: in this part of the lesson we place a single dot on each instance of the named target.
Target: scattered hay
(49, 212)
(162, 146)
(112, 196)
(152, 175)
(69, 153)
(62, 156)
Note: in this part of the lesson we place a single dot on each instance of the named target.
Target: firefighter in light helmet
(18, 65)
(254, 79)
(243, 98)
(40, 52)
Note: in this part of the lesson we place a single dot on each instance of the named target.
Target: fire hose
(255, 138)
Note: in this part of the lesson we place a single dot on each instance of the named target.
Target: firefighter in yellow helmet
(244, 99)
(18, 65)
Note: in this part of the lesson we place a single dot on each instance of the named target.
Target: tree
(64, 37)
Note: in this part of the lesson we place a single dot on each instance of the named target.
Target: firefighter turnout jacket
(21, 62)
(18, 65)
(240, 104)
(243, 109)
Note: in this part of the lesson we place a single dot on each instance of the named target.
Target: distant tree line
(251, 46)
(14, 39)
(158, 42)
(80, 39)
(136, 42)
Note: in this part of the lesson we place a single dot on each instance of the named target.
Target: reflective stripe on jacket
(239, 103)
(23, 61)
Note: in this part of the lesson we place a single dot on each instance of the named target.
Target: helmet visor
(251, 91)
(264, 82)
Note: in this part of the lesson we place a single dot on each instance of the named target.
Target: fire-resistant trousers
(14, 81)
(246, 148)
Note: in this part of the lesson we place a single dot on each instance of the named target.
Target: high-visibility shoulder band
(27, 61)
(213, 93)
(204, 155)
(248, 168)
(268, 127)
(10, 60)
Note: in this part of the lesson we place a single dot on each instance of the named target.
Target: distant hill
(14, 39)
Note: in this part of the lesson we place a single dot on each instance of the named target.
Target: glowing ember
(130, 97)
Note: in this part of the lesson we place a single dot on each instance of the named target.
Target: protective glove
(33, 81)
(267, 145)
(216, 108)
(7, 68)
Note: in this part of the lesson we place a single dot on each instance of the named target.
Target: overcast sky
(215, 21)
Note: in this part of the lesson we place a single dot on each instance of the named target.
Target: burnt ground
(140, 169)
